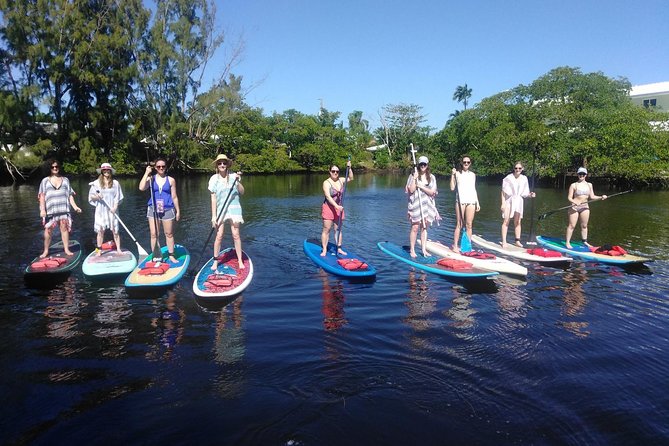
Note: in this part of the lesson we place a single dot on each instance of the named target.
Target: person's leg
(100, 240)
(65, 235)
(458, 224)
(584, 217)
(517, 231)
(152, 230)
(573, 218)
(217, 244)
(423, 241)
(47, 242)
(237, 241)
(470, 211)
(505, 229)
(117, 241)
(413, 234)
(168, 229)
(325, 235)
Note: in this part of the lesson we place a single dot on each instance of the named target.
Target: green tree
(462, 94)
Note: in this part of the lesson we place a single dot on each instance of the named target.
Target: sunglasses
(581, 174)
(466, 162)
(422, 164)
(162, 166)
(222, 163)
(55, 167)
(517, 168)
(334, 171)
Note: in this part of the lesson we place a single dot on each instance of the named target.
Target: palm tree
(462, 93)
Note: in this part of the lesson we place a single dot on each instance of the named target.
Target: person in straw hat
(106, 188)
(222, 186)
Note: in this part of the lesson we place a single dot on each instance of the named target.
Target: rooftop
(650, 89)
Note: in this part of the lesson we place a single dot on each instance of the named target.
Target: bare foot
(456, 249)
(567, 245)
(68, 252)
(240, 265)
(518, 244)
(426, 254)
(324, 253)
(44, 254)
(504, 245)
(214, 265)
(98, 252)
(341, 251)
(173, 259)
(413, 254)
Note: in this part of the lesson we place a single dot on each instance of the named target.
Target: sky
(364, 54)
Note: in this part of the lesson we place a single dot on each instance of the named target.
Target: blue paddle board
(159, 273)
(349, 265)
(579, 249)
(108, 262)
(430, 264)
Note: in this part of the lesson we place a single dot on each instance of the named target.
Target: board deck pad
(336, 263)
(228, 279)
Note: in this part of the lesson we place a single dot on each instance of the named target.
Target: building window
(649, 103)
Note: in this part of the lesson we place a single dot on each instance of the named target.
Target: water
(573, 356)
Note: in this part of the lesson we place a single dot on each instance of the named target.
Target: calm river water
(570, 356)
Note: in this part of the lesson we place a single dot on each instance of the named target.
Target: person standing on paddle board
(164, 192)
(515, 188)
(467, 203)
(106, 189)
(55, 197)
(421, 189)
(332, 210)
(580, 192)
(225, 185)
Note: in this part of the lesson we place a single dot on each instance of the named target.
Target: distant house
(651, 95)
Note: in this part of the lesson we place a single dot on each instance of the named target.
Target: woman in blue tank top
(164, 194)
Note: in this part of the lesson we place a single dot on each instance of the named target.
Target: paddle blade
(465, 243)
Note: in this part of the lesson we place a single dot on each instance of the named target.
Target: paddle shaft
(140, 250)
(155, 247)
(415, 172)
(218, 218)
(341, 214)
(532, 237)
(546, 214)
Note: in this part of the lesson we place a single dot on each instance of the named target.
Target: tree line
(94, 81)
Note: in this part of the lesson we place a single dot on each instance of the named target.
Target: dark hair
(460, 162)
(49, 163)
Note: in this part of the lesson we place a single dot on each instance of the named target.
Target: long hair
(103, 181)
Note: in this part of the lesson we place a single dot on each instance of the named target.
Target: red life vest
(218, 281)
(48, 263)
(479, 255)
(154, 269)
(609, 250)
(454, 264)
(352, 264)
(543, 252)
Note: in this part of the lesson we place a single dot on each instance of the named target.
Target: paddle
(218, 218)
(465, 243)
(420, 201)
(341, 203)
(142, 254)
(157, 254)
(546, 214)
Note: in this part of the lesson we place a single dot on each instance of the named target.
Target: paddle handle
(341, 214)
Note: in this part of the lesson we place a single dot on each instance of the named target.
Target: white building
(651, 95)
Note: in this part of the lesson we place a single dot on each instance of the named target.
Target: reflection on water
(62, 312)
(229, 349)
(169, 325)
(421, 302)
(114, 312)
(575, 300)
(333, 303)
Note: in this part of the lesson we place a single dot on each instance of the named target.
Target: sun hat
(582, 170)
(223, 157)
(105, 166)
(422, 159)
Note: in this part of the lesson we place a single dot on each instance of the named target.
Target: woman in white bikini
(579, 194)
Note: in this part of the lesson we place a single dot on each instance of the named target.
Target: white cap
(422, 159)
(582, 170)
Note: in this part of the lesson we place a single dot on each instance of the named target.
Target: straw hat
(222, 156)
(105, 166)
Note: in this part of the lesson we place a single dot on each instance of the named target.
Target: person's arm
(411, 184)
(42, 200)
(145, 181)
(429, 191)
(175, 199)
(570, 194)
(213, 210)
(240, 186)
(454, 172)
(593, 196)
(476, 195)
(502, 197)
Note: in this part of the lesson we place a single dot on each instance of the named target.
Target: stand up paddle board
(540, 255)
(579, 249)
(161, 272)
(108, 262)
(442, 267)
(349, 265)
(57, 263)
(481, 260)
(228, 279)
